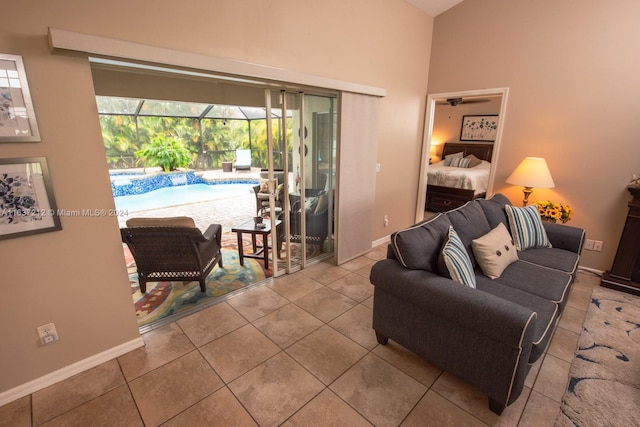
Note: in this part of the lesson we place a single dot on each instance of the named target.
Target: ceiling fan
(456, 101)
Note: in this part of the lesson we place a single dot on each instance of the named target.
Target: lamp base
(527, 191)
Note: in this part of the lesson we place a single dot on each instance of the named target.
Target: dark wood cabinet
(625, 272)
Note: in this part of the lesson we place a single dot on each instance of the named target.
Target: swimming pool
(180, 195)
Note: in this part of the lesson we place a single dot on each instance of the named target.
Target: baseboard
(591, 270)
(68, 371)
(381, 241)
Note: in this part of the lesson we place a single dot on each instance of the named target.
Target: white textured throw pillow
(526, 227)
(495, 251)
(457, 260)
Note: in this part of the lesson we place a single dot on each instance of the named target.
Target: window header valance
(112, 48)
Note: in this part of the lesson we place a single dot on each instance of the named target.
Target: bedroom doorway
(443, 121)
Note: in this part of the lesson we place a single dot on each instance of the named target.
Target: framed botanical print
(27, 204)
(479, 128)
(17, 119)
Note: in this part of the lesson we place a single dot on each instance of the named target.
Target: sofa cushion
(546, 311)
(175, 221)
(548, 283)
(555, 258)
(470, 223)
(526, 227)
(494, 251)
(456, 260)
(418, 247)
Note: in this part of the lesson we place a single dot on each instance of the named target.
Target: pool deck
(229, 211)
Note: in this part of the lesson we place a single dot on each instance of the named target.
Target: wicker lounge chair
(172, 249)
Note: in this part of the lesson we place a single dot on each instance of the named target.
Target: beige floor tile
(115, 408)
(408, 362)
(368, 302)
(325, 272)
(553, 378)
(234, 354)
(579, 298)
(219, 409)
(287, 325)
(476, 403)
(358, 264)
(162, 345)
(365, 271)
(378, 252)
(65, 395)
(257, 302)
(326, 410)
(356, 324)
(434, 410)
(326, 353)
(211, 323)
(16, 413)
(383, 394)
(174, 387)
(275, 390)
(354, 286)
(572, 319)
(294, 286)
(325, 304)
(533, 372)
(540, 411)
(564, 344)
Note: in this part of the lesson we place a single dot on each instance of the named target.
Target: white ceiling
(434, 7)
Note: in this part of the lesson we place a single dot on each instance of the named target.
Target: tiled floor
(297, 351)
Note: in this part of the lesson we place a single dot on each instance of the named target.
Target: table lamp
(531, 172)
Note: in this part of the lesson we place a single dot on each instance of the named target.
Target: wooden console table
(625, 273)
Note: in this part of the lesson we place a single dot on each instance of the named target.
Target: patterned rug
(604, 378)
(164, 299)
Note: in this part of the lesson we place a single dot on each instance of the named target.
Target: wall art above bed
(479, 128)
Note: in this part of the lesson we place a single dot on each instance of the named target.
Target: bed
(451, 187)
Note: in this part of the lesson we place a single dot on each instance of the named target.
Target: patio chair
(261, 191)
(316, 211)
(243, 159)
(172, 249)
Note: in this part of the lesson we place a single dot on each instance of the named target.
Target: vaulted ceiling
(434, 7)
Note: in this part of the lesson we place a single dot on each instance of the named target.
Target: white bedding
(475, 178)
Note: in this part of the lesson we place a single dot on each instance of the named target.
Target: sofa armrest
(486, 314)
(564, 236)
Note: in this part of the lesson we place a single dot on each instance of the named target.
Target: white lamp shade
(532, 172)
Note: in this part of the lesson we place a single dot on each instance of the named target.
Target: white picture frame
(17, 118)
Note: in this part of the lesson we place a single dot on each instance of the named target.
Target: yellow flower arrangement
(554, 212)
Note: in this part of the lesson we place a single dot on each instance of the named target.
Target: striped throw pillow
(457, 260)
(526, 227)
(460, 163)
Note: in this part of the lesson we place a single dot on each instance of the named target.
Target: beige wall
(76, 277)
(572, 70)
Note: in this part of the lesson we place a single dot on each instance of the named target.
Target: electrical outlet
(588, 244)
(378, 167)
(47, 333)
(385, 221)
(597, 245)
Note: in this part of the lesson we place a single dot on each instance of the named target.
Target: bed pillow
(457, 264)
(526, 227)
(473, 161)
(449, 157)
(460, 163)
(495, 251)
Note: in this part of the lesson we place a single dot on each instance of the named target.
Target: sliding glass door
(302, 165)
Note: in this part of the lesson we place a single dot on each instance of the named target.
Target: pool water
(180, 195)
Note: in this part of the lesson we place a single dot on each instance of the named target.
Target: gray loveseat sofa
(488, 336)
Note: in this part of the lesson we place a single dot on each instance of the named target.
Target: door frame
(428, 132)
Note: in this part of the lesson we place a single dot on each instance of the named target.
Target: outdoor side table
(259, 252)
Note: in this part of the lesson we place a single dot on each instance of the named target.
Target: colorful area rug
(604, 379)
(165, 299)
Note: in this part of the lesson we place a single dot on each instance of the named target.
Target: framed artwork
(479, 128)
(17, 119)
(27, 205)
